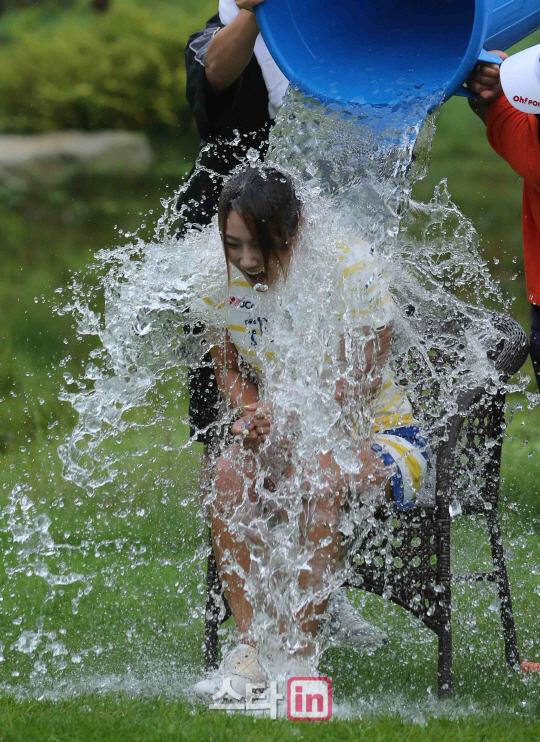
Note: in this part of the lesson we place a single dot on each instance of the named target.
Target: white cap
(520, 79)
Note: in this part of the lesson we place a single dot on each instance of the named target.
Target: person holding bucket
(235, 90)
(509, 104)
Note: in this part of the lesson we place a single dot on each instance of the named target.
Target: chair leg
(213, 607)
(491, 495)
(503, 585)
(446, 673)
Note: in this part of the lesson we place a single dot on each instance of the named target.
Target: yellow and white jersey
(360, 293)
(360, 290)
(360, 298)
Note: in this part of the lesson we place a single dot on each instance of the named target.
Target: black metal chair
(406, 558)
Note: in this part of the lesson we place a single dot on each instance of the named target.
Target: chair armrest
(512, 348)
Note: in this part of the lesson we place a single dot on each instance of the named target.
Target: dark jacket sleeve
(211, 109)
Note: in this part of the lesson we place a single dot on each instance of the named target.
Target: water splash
(121, 458)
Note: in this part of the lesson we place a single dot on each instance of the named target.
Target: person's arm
(368, 365)
(241, 393)
(231, 49)
(514, 135)
(362, 294)
(235, 389)
(376, 355)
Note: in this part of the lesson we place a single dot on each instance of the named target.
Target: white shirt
(359, 292)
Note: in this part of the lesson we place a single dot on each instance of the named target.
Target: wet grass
(128, 646)
(103, 719)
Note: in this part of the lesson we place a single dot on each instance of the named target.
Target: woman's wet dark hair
(266, 200)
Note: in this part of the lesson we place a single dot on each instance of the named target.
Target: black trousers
(535, 341)
(204, 403)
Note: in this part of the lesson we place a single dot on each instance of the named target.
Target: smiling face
(243, 251)
(258, 216)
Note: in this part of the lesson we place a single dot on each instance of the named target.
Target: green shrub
(6, 5)
(120, 69)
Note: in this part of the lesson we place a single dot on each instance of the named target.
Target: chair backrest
(463, 414)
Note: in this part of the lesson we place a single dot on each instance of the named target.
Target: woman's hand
(248, 4)
(257, 421)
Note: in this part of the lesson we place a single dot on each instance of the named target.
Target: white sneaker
(240, 667)
(342, 626)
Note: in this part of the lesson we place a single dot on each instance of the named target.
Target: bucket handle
(484, 56)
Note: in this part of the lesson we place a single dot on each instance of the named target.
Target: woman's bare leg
(319, 523)
(205, 476)
(228, 551)
(231, 552)
(323, 564)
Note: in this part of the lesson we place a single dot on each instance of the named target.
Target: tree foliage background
(63, 65)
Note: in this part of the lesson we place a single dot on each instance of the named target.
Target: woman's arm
(376, 352)
(237, 390)
(241, 393)
(514, 135)
(368, 364)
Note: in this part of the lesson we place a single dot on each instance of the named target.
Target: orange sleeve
(514, 136)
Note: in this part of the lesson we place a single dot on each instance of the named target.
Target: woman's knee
(321, 515)
(233, 483)
(228, 484)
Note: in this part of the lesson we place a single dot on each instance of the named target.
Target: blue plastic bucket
(383, 52)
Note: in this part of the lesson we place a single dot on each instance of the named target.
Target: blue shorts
(406, 449)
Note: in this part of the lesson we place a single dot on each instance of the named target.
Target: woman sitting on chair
(260, 220)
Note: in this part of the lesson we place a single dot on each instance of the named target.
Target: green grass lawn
(105, 719)
(113, 718)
